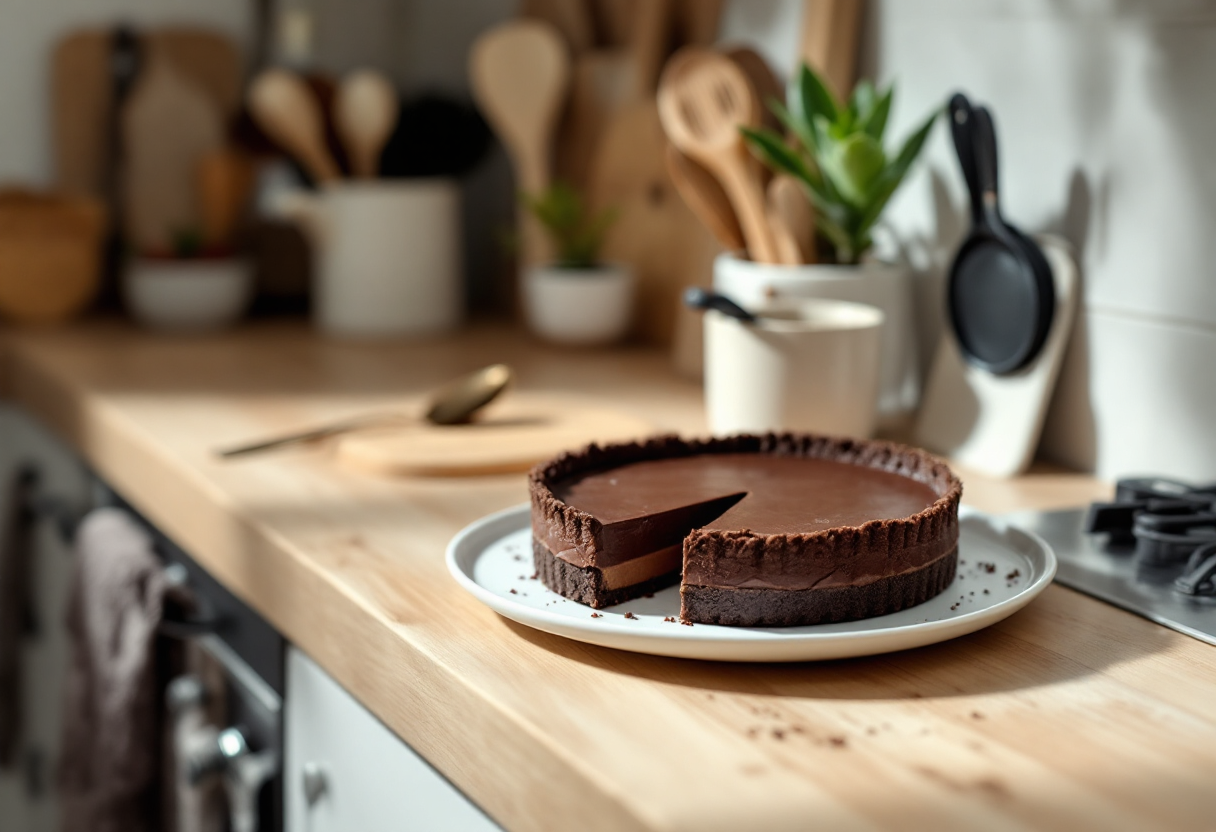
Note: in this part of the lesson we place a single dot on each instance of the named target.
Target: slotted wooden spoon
(703, 100)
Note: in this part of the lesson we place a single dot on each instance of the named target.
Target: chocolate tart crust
(585, 584)
(744, 607)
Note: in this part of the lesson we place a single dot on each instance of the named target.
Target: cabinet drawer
(346, 771)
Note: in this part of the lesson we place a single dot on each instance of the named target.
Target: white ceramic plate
(492, 559)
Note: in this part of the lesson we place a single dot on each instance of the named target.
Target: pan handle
(984, 135)
(961, 129)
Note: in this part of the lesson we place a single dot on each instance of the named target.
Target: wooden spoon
(365, 113)
(703, 100)
(283, 107)
(704, 196)
(225, 181)
(520, 72)
(792, 219)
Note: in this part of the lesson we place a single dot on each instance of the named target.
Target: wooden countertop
(1071, 714)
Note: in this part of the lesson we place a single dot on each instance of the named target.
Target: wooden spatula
(520, 72)
(792, 220)
(365, 113)
(704, 196)
(225, 181)
(703, 100)
(284, 108)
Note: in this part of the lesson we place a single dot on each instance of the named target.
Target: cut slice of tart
(775, 530)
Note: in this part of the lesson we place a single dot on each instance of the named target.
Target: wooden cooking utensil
(287, 111)
(648, 44)
(793, 220)
(365, 113)
(766, 83)
(225, 181)
(571, 18)
(830, 30)
(520, 72)
(703, 194)
(602, 85)
(703, 100)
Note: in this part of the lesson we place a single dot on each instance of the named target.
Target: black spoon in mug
(1001, 295)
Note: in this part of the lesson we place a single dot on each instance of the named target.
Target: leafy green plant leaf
(577, 234)
(836, 152)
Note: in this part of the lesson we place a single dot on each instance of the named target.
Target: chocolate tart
(761, 531)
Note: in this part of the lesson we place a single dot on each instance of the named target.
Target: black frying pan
(1000, 296)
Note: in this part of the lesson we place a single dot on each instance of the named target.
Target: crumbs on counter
(685, 623)
(513, 592)
(669, 619)
(987, 567)
(596, 615)
(1014, 575)
(534, 576)
(631, 615)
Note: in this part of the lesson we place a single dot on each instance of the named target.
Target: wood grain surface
(1069, 715)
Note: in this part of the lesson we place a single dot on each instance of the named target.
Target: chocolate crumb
(971, 593)
(513, 592)
(535, 575)
(631, 615)
(516, 557)
(596, 615)
(839, 742)
(986, 592)
(669, 619)
(522, 578)
(1015, 574)
(988, 567)
(685, 623)
(976, 715)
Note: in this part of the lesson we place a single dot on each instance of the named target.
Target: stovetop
(1152, 551)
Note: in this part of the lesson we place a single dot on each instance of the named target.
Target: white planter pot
(188, 295)
(387, 256)
(883, 285)
(579, 306)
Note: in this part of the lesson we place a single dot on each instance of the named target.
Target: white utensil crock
(884, 285)
(579, 306)
(809, 365)
(387, 256)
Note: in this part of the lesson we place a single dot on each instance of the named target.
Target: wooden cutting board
(81, 91)
(512, 436)
(168, 127)
(656, 233)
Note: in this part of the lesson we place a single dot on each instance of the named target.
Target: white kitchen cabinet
(345, 771)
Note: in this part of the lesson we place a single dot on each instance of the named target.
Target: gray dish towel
(108, 762)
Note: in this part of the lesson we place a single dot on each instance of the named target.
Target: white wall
(28, 31)
(1106, 112)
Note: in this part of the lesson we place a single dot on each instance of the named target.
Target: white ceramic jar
(387, 255)
(188, 295)
(584, 307)
(886, 286)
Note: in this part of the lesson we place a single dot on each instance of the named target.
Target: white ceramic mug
(809, 365)
(387, 255)
(885, 285)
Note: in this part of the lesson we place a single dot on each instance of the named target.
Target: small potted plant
(577, 299)
(190, 287)
(836, 151)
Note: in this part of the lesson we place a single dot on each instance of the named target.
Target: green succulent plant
(577, 233)
(836, 151)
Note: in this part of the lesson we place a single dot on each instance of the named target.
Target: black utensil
(1001, 296)
(124, 63)
(435, 136)
(697, 298)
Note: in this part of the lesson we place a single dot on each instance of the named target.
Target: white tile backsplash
(1105, 112)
